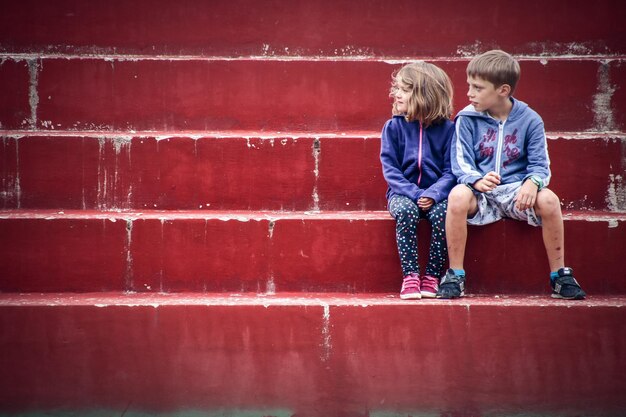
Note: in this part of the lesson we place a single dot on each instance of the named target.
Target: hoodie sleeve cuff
(536, 179)
(435, 196)
(418, 194)
(469, 180)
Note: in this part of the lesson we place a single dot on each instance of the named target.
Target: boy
(500, 157)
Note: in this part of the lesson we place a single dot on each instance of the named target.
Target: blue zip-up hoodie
(416, 160)
(516, 148)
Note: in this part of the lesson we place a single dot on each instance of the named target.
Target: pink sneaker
(429, 286)
(411, 287)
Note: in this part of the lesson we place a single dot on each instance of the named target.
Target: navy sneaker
(451, 285)
(566, 287)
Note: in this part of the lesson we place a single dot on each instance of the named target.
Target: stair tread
(291, 299)
(245, 215)
(263, 134)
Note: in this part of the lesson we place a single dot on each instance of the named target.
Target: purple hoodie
(416, 160)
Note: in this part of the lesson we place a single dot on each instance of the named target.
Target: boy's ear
(504, 90)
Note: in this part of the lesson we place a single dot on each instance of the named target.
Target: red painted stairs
(192, 213)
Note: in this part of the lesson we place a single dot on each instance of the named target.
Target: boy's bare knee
(548, 204)
(460, 200)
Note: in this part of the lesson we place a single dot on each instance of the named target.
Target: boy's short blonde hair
(431, 98)
(497, 67)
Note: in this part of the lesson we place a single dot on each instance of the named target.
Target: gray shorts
(500, 203)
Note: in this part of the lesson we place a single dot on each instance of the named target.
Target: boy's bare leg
(461, 205)
(548, 207)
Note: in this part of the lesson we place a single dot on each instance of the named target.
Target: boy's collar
(504, 119)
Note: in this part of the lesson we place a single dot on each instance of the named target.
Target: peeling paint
(271, 228)
(317, 151)
(102, 179)
(567, 49)
(129, 256)
(472, 49)
(108, 182)
(602, 112)
(129, 195)
(327, 342)
(250, 145)
(242, 219)
(230, 134)
(554, 50)
(616, 194)
(119, 142)
(33, 96)
(271, 286)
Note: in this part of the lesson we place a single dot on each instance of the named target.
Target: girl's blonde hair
(431, 98)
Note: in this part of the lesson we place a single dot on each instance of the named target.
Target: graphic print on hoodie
(515, 148)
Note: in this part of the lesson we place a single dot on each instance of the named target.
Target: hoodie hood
(517, 111)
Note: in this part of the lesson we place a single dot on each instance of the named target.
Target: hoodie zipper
(500, 145)
(419, 157)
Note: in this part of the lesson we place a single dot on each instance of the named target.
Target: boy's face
(483, 95)
(401, 97)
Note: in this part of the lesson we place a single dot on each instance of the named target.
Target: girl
(415, 155)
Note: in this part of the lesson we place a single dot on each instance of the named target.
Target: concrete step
(310, 355)
(285, 95)
(267, 252)
(336, 28)
(254, 171)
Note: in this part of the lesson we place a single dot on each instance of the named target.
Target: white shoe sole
(411, 296)
(560, 297)
(426, 294)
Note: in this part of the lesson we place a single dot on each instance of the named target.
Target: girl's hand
(425, 203)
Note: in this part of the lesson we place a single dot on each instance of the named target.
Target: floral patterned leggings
(408, 215)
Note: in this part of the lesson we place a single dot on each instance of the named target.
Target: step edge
(250, 134)
(390, 59)
(250, 215)
(291, 299)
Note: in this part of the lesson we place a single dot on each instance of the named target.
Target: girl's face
(403, 92)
